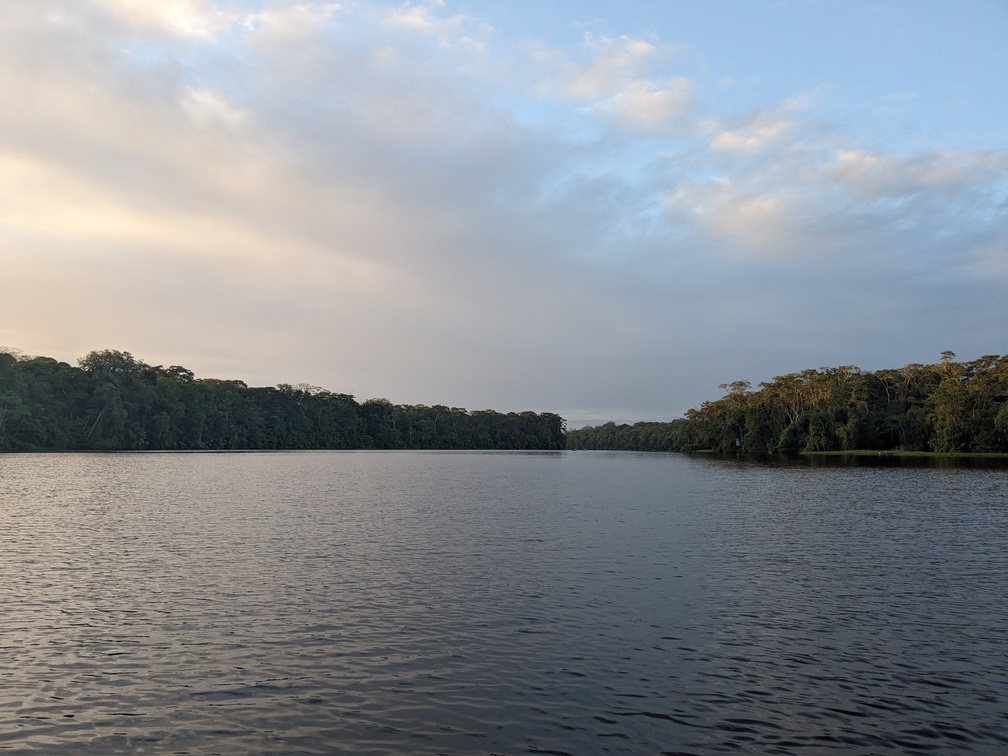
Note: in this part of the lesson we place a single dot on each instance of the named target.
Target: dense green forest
(642, 436)
(112, 400)
(951, 407)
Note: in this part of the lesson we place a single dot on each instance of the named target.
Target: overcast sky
(600, 209)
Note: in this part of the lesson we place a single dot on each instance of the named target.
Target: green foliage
(115, 401)
(946, 407)
(637, 437)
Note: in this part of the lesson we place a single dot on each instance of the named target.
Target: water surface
(501, 603)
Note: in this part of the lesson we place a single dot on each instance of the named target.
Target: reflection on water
(879, 459)
(499, 603)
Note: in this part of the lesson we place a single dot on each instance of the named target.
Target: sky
(600, 209)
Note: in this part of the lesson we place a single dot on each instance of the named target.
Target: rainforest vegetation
(113, 401)
(951, 407)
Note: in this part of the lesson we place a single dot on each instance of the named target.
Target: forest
(113, 401)
(948, 407)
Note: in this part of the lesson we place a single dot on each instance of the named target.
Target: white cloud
(614, 64)
(618, 82)
(458, 31)
(802, 102)
(291, 23)
(752, 135)
(751, 221)
(186, 18)
(650, 106)
(421, 17)
(874, 174)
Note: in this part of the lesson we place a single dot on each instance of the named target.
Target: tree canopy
(952, 407)
(112, 400)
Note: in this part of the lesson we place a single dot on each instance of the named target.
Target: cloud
(421, 17)
(752, 221)
(183, 18)
(455, 31)
(803, 102)
(206, 106)
(753, 134)
(650, 106)
(613, 64)
(396, 200)
(291, 23)
(800, 200)
(874, 175)
(618, 81)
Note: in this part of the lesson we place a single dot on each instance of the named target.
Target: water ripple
(498, 603)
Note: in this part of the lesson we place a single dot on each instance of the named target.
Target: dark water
(499, 603)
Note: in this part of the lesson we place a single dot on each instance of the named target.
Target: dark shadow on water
(883, 459)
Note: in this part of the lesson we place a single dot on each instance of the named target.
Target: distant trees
(112, 400)
(946, 407)
(643, 436)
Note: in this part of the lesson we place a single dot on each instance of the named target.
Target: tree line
(949, 407)
(113, 401)
(642, 436)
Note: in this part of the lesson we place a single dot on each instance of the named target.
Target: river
(499, 603)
